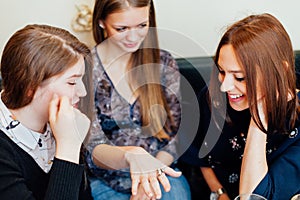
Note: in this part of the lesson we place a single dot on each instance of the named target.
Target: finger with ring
(164, 182)
(160, 171)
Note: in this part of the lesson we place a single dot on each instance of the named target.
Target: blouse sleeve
(96, 135)
(283, 178)
(171, 83)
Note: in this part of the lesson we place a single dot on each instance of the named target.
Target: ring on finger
(160, 171)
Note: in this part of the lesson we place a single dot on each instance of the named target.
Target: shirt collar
(15, 130)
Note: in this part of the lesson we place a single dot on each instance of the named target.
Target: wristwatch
(215, 195)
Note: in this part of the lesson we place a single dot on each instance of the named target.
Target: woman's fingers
(148, 172)
(146, 185)
(53, 108)
(171, 172)
(141, 195)
(153, 179)
(164, 182)
(135, 178)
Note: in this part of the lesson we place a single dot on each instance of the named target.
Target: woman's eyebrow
(230, 71)
(76, 76)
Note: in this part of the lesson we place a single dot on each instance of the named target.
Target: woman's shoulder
(166, 55)
(7, 146)
(168, 61)
(291, 140)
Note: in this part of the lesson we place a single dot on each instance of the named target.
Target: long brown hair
(264, 51)
(146, 58)
(32, 55)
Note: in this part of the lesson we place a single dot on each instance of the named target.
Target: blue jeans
(180, 190)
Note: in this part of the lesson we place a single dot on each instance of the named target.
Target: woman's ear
(30, 93)
(285, 65)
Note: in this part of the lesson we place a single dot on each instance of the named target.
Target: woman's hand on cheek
(69, 127)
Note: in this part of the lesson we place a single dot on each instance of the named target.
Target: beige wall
(15, 14)
(188, 28)
(204, 21)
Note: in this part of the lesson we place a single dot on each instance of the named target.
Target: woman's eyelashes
(236, 77)
(121, 29)
(125, 28)
(143, 25)
(240, 79)
(72, 82)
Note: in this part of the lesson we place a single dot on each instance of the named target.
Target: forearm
(254, 164)
(165, 157)
(210, 178)
(113, 157)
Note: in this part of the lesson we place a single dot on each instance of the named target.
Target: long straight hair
(147, 59)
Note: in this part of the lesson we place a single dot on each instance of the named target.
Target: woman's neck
(30, 118)
(111, 54)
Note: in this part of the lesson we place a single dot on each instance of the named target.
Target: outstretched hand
(69, 127)
(148, 173)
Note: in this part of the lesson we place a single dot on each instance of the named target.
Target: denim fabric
(180, 190)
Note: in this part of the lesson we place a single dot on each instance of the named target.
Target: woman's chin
(238, 107)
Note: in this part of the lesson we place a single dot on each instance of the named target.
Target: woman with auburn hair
(252, 144)
(41, 129)
(137, 100)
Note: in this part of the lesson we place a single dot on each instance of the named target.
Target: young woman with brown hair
(250, 114)
(41, 129)
(138, 106)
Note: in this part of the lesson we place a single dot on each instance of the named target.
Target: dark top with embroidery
(223, 152)
(121, 121)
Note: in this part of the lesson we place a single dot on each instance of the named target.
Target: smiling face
(68, 83)
(127, 29)
(232, 79)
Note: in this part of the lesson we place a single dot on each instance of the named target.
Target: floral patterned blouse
(118, 122)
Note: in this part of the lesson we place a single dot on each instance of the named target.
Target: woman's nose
(81, 91)
(132, 35)
(227, 83)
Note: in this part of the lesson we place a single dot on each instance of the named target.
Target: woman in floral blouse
(137, 101)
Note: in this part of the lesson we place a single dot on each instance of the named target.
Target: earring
(101, 26)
